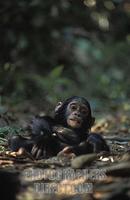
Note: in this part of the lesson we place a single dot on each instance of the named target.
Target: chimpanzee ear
(58, 106)
(92, 121)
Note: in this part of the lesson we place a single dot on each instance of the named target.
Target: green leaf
(56, 72)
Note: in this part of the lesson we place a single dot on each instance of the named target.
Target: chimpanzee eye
(85, 111)
(73, 107)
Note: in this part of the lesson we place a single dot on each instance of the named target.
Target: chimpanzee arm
(94, 144)
(41, 131)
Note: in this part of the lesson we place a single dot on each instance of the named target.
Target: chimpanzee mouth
(76, 120)
(75, 123)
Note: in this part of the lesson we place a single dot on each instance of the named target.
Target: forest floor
(100, 177)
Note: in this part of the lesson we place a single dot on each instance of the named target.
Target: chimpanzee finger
(38, 154)
(65, 151)
(68, 150)
(34, 150)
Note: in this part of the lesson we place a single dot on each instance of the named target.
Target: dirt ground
(100, 177)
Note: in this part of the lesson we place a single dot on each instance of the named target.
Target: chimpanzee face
(76, 114)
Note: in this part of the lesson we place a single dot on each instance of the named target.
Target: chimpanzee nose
(77, 114)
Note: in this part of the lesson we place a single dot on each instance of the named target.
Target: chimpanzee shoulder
(41, 123)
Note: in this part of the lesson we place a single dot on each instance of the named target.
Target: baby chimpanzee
(67, 132)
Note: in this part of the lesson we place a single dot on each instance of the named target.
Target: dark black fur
(49, 135)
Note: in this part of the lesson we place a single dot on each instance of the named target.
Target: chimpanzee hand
(66, 135)
(41, 147)
(38, 150)
(68, 152)
(41, 135)
(96, 143)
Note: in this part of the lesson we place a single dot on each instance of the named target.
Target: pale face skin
(76, 112)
